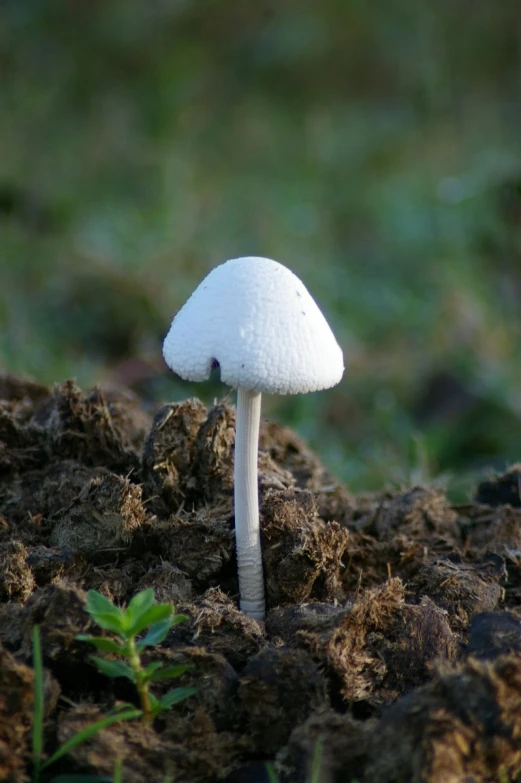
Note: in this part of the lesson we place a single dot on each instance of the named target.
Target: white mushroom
(255, 319)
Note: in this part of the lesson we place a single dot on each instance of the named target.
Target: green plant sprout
(141, 614)
(126, 625)
(39, 765)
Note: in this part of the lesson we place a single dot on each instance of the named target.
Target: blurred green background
(372, 147)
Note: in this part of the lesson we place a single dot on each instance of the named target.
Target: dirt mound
(392, 643)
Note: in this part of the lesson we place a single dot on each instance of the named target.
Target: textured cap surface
(258, 321)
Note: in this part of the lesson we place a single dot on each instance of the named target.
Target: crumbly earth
(391, 651)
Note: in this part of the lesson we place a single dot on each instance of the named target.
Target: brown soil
(393, 632)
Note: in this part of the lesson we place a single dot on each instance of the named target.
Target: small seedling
(39, 765)
(126, 625)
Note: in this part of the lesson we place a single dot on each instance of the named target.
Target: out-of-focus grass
(372, 147)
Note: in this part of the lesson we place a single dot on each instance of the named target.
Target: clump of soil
(392, 643)
(503, 490)
(302, 553)
(16, 705)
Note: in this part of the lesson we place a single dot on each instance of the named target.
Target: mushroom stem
(247, 529)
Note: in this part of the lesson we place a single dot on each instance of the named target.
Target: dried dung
(392, 641)
(464, 726)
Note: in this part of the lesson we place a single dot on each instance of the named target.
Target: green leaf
(114, 668)
(272, 775)
(100, 604)
(175, 696)
(155, 705)
(89, 731)
(101, 643)
(38, 706)
(110, 623)
(316, 766)
(150, 669)
(106, 614)
(157, 634)
(138, 606)
(117, 777)
(169, 672)
(153, 615)
(121, 706)
(180, 618)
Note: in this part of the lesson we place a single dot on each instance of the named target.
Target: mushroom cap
(258, 321)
